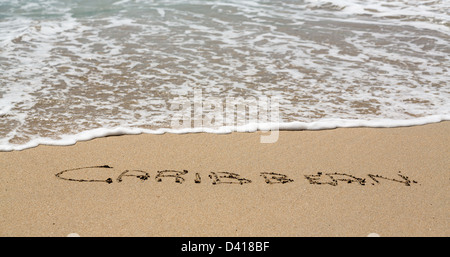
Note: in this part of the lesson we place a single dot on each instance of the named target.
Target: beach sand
(399, 185)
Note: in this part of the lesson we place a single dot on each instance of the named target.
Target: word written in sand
(94, 174)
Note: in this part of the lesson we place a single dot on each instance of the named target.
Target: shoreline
(335, 182)
(326, 124)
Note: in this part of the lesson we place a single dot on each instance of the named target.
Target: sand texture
(339, 182)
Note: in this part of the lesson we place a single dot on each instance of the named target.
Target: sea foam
(74, 71)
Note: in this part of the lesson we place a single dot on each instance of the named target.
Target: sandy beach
(339, 182)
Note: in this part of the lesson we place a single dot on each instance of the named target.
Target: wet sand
(339, 182)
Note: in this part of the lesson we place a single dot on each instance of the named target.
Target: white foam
(432, 13)
(69, 76)
(252, 127)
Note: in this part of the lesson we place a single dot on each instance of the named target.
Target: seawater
(73, 70)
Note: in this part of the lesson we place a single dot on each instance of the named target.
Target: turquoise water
(74, 70)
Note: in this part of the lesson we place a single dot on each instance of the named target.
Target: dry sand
(35, 202)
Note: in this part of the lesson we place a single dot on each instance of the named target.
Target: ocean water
(73, 70)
